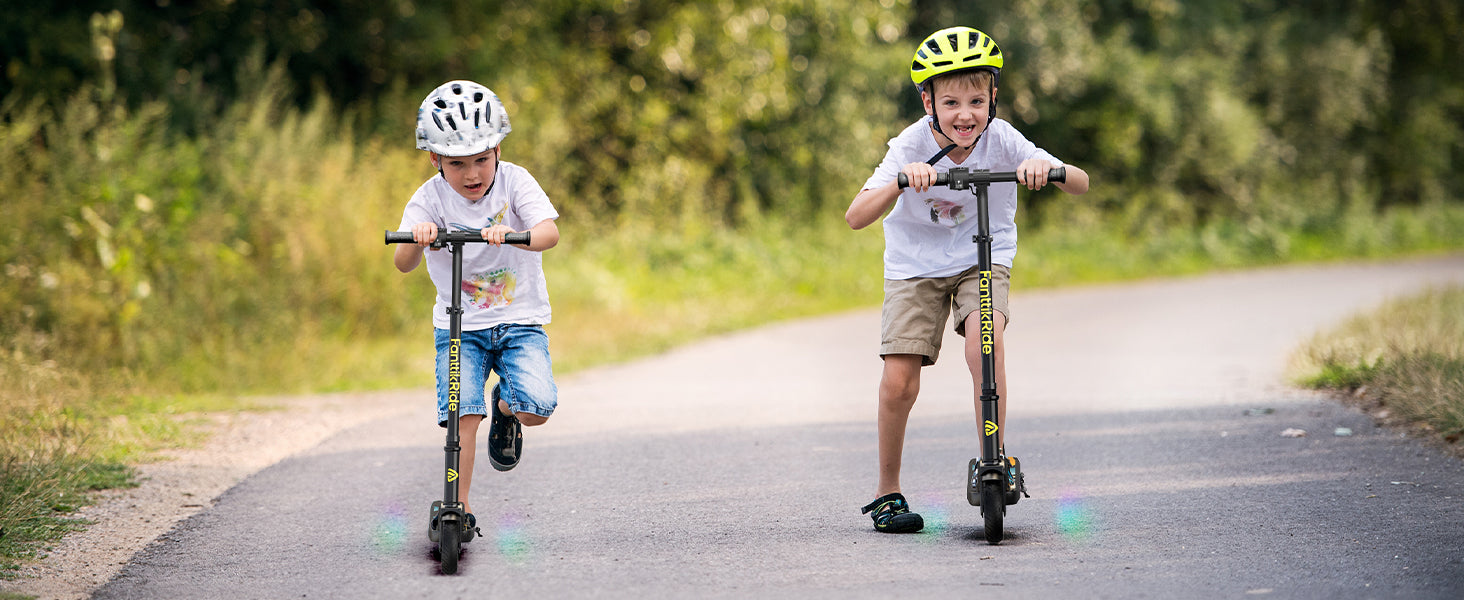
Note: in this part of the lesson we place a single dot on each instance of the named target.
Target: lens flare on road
(1074, 517)
(513, 542)
(935, 511)
(390, 532)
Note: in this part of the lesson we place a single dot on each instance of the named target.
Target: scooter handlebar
(447, 237)
(962, 178)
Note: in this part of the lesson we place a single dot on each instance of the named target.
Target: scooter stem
(454, 380)
(990, 413)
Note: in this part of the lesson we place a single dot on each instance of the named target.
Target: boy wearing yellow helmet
(930, 261)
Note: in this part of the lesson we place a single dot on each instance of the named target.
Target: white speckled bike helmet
(461, 118)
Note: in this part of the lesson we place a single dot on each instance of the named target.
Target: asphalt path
(1147, 416)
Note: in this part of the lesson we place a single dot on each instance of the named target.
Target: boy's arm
(870, 205)
(543, 236)
(1076, 181)
(1032, 173)
(408, 256)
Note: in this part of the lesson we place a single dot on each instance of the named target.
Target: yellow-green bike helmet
(954, 49)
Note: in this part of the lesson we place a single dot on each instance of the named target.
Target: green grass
(39, 497)
(1406, 357)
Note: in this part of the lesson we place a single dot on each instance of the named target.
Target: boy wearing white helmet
(930, 261)
(504, 297)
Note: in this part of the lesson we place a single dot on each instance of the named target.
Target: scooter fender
(977, 472)
(451, 514)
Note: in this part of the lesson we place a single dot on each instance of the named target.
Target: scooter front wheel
(448, 546)
(993, 508)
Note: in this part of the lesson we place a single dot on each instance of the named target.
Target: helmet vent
(461, 118)
(954, 49)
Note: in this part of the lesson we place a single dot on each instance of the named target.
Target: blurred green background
(195, 190)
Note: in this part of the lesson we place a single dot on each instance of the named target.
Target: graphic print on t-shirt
(492, 289)
(946, 212)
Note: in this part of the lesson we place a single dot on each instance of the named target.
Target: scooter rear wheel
(448, 546)
(993, 508)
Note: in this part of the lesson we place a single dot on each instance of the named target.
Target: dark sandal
(505, 439)
(892, 515)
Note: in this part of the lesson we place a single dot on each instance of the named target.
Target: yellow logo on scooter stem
(452, 474)
(988, 325)
(990, 428)
(454, 373)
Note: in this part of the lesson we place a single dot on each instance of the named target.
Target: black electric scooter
(448, 524)
(992, 483)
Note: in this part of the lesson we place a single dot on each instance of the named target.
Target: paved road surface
(736, 467)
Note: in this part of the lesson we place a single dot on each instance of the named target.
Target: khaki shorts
(915, 310)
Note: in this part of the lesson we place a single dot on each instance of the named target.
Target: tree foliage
(176, 157)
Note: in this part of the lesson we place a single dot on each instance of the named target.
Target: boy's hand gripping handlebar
(447, 237)
(960, 179)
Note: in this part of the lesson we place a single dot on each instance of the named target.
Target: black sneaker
(892, 515)
(505, 439)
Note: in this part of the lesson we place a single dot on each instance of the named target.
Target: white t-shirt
(501, 284)
(929, 234)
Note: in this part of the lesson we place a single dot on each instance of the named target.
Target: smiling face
(962, 105)
(470, 176)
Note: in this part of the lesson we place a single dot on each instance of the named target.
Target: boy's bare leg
(468, 440)
(528, 419)
(973, 361)
(898, 388)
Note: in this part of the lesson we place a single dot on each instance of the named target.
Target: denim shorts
(519, 354)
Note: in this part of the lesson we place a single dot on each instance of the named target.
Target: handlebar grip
(398, 237)
(940, 179)
(1058, 175)
(521, 238)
